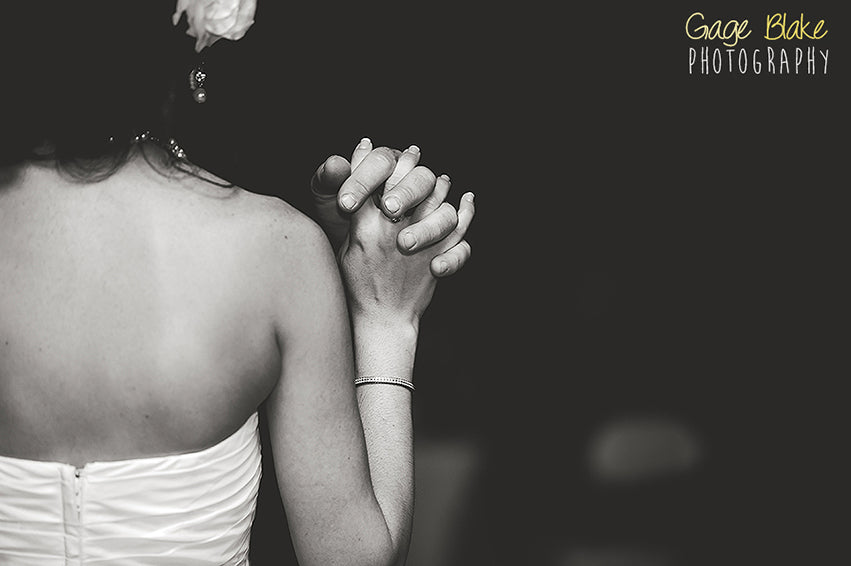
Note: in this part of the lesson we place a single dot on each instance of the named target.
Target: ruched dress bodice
(193, 509)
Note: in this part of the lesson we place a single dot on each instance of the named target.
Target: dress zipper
(78, 498)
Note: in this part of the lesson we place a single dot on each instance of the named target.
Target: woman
(147, 309)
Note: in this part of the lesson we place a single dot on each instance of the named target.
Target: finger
(395, 176)
(323, 186)
(434, 200)
(409, 192)
(361, 150)
(451, 260)
(369, 174)
(329, 177)
(466, 211)
(408, 159)
(433, 228)
(405, 162)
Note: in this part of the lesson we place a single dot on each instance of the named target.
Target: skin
(148, 315)
(337, 181)
(128, 301)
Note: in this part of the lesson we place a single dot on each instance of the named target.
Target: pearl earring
(197, 76)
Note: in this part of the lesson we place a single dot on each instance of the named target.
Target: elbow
(397, 556)
(391, 558)
(360, 536)
(372, 551)
(386, 553)
(389, 541)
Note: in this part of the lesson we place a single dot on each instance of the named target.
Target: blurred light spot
(614, 556)
(642, 448)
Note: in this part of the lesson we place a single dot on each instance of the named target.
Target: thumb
(324, 185)
(329, 177)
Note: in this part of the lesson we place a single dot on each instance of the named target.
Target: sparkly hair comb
(171, 145)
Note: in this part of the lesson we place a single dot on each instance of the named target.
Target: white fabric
(185, 509)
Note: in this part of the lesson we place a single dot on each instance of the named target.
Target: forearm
(388, 350)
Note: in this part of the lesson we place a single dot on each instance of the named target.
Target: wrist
(386, 324)
(387, 349)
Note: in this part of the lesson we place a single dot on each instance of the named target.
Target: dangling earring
(197, 76)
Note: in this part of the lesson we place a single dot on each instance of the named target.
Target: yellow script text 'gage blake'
(797, 29)
(733, 29)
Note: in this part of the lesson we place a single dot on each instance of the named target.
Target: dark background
(647, 245)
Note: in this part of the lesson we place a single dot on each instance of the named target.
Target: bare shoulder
(277, 217)
(233, 218)
(279, 231)
(289, 246)
(269, 252)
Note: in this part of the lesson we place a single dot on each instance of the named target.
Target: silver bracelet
(384, 380)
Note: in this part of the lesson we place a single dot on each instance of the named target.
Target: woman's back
(134, 313)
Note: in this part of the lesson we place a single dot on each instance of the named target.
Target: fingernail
(392, 204)
(414, 149)
(365, 143)
(409, 240)
(469, 197)
(442, 266)
(446, 177)
(348, 201)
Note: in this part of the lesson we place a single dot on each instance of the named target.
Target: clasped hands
(387, 218)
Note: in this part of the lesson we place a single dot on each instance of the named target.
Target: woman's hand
(384, 283)
(372, 172)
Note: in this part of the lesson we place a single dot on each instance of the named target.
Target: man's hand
(399, 187)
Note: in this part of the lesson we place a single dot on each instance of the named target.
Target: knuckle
(447, 217)
(433, 231)
(403, 191)
(448, 211)
(379, 161)
(393, 152)
(459, 252)
(429, 203)
(423, 234)
(424, 175)
(384, 156)
(336, 160)
(359, 187)
(415, 186)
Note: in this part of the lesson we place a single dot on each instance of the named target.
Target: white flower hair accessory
(211, 20)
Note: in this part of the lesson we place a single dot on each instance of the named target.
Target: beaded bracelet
(384, 380)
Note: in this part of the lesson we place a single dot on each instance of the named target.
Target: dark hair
(84, 78)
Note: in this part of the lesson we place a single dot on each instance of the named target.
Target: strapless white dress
(182, 510)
